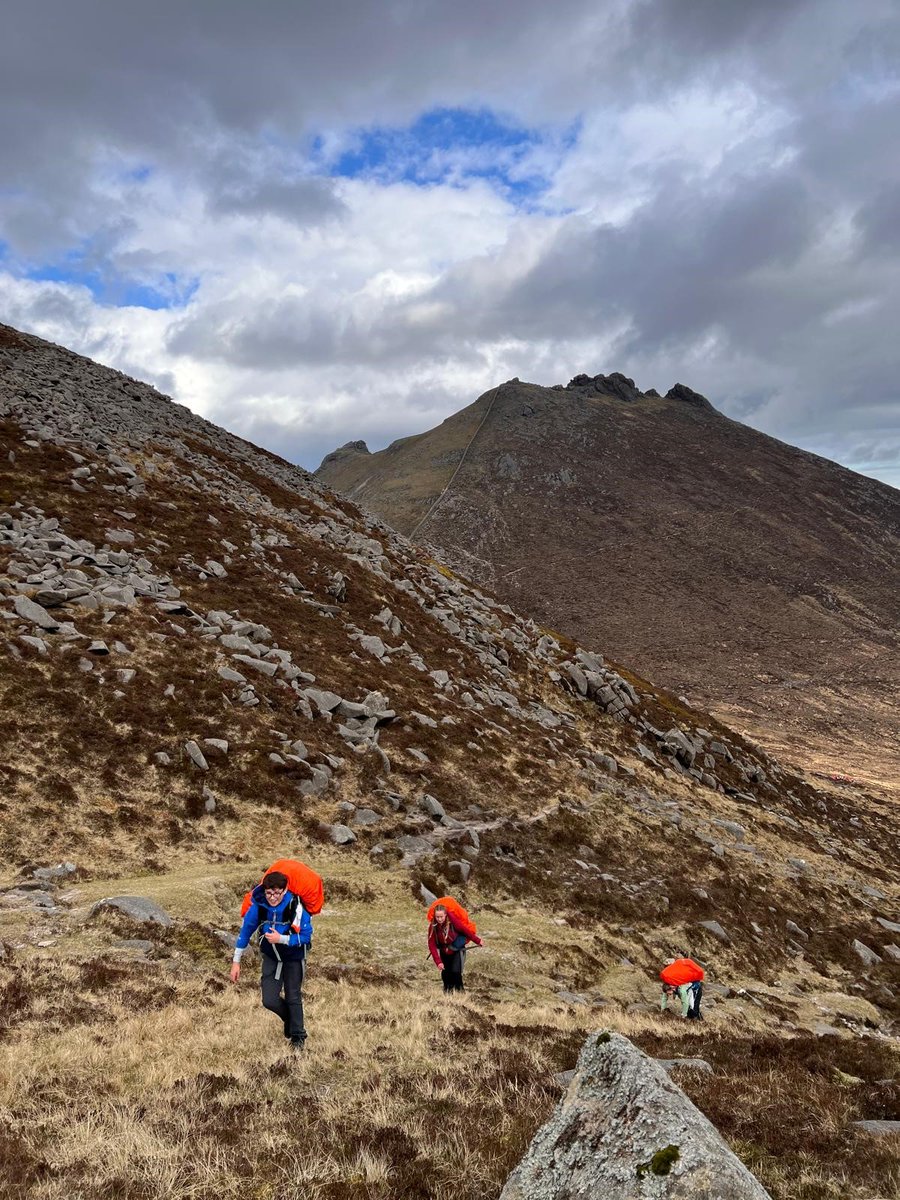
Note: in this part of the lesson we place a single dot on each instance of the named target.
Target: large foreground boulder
(624, 1130)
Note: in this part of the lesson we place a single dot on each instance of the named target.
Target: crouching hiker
(683, 978)
(285, 933)
(449, 929)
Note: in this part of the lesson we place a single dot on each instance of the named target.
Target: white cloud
(724, 213)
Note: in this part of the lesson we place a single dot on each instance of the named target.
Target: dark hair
(275, 879)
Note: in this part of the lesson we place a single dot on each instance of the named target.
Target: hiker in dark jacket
(447, 946)
(285, 933)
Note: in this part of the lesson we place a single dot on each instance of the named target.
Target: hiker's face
(440, 915)
(274, 894)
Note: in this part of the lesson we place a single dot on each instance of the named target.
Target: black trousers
(694, 1010)
(289, 1007)
(454, 961)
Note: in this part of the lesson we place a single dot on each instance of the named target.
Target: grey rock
(230, 675)
(209, 800)
(138, 908)
(879, 1128)
(121, 537)
(35, 643)
(139, 945)
(868, 956)
(257, 664)
(716, 930)
(413, 848)
(98, 647)
(341, 835)
(162, 759)
(216, 745)
(460, 870)
(892, 952)
(890, 926)
(325, 702)
(795, 929)
(232, 641)
(426, 896)
(366, 816)
(126, 675)
(433, 807)
(619, 1112)
(317, 784)
(49, 874)
(36, 614)
(195, 754)
(374, 645)
(211, 567)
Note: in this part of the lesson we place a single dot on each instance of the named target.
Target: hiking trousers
(695, 995)
(289, 1007)
(454, 961)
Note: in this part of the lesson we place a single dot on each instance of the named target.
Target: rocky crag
(757, 579)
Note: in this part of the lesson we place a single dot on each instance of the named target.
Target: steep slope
(759, 579)
(208, 659)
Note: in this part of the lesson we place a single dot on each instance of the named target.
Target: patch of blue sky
(453, 146)
(108, 287)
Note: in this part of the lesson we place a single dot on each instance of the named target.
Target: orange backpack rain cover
(682, 970)
(456, 913)
(301, 880)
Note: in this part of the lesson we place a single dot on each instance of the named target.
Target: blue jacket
(263, 916)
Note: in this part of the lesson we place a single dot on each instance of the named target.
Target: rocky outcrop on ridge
(625, 1131)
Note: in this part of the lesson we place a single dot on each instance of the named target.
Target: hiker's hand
(235, 971)
(272, 936)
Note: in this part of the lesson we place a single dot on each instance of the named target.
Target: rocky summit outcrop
(625, 1131)
(757, 579)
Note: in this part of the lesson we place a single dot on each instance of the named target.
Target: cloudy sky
(315, 222)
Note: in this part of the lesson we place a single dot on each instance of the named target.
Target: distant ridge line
(449, 482)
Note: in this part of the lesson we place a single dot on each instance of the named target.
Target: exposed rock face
(623, 1131)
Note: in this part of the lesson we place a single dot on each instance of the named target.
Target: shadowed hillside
(210, 660)
(760, 580)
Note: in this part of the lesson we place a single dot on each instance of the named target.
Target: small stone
(868, 956)
(162, 759)
(716, 930)
(195, 754)
(217, 745)
(341, 835)
(366, 816)
(138, 908)
(231, 676)
(433, 807)
(879, 1128)
(209, 800)
(126, 675)
(98, 647)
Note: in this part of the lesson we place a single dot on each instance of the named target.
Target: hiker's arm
(434, 952)
(248, 927)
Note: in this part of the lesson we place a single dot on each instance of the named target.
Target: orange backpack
(456, 913)
(301, 880)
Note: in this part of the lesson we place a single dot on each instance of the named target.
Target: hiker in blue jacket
(285, 933)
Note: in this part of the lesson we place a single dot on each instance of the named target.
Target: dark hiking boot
(298, 1044)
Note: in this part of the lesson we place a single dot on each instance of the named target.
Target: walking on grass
(449, 929)
(278, 910)
(683, 978)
